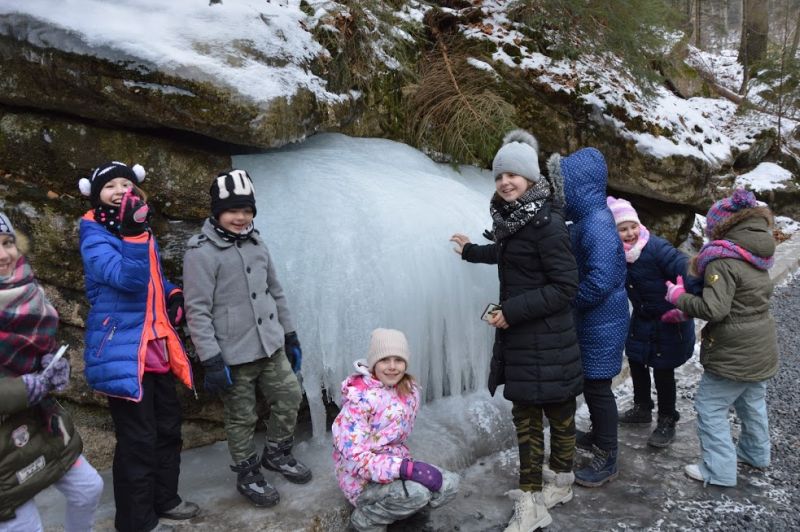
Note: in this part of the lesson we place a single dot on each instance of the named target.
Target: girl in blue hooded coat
(660, 336)
(132, 349)
(601, 306)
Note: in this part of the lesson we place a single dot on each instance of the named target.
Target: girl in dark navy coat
(660, 336)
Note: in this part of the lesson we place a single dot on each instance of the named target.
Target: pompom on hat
(232, 190)
(622, 210)
(385, 343)
(518, 155)
(722, 214)
(92, 185)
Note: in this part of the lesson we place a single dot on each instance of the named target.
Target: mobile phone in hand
(490, 311)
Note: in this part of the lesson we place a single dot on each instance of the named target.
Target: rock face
(66, 105)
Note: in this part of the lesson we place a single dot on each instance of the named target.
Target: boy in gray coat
(244, 336)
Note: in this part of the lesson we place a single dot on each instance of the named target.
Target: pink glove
(425, 474)
(674, 291)
(132, 215)
(674, 316)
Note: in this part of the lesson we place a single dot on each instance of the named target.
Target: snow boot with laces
(557, 488)
(602, 469)
(530, 512)
(665, 431)
(638, 415)
(251, 483)
(278, 457)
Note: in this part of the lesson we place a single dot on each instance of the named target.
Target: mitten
(421, 472)
(218, 375)
(674, 291)
(293, 351)
(37, 387)
(133, 213)
(175, 308)
(58, 375)
(674, 316)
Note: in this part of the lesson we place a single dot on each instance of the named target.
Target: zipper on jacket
(107, 338)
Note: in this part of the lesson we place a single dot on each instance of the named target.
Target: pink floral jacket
(370, 432)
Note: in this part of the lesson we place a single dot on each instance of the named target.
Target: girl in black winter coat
(536, 353)
(660, 336)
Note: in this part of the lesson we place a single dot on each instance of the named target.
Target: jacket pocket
(110, 325)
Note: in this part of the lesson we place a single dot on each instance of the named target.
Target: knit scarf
(108, 217)
(229, 236)
(725, 249)
(510, 217)
(632, 251)
(28, 322)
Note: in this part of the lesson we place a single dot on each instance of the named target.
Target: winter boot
(530, 512)
(250, 483)
(665, 431)
(584, 440)
(638, 415)
(557, 487)
(602, 469)
(278, 457)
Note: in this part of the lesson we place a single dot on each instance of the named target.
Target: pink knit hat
(385, 343)
(622, 210)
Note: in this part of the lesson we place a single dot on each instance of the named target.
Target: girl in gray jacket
(244, 335)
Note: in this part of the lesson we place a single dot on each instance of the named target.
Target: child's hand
(675, 291)
(133, 213)
(421, 472)
(175, 308)
(218, 376)
(293, 351)
(461, 241)
(497, 319)
(674, 316)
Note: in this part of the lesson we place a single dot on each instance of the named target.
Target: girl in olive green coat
(739, 347)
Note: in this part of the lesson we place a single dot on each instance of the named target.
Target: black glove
(293, 351)
(488, 235)
(218, 375)
(133, 212)
(175, 308)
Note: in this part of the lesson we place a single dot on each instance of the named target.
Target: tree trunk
(697, 28)
(795, 41)
(755, 27)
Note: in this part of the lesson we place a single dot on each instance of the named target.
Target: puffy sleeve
(125, 268)
(604, 267)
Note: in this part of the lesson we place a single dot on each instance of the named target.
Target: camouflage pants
(278, 383)
(382, 504)
(528, 420)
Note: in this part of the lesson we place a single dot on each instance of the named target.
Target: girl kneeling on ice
(373, 464)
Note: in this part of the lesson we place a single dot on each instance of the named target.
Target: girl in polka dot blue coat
(601, 306)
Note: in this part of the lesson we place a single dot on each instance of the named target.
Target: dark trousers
(147, 458)
(665, 387)
(602, 411)
(528, 420)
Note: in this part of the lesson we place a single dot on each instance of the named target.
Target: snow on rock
(765, 176)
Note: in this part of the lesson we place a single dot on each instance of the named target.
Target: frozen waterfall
(359, 230)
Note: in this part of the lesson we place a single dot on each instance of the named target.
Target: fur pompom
(520, 135)
(85, 186)
(139, 171)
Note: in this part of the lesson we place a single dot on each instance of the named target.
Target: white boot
(530, 512)
(557, 487)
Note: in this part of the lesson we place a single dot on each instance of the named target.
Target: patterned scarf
(28, 322)
(510, 217)
(108, 217)
(633, 251)
(229, 236)
(725, 249)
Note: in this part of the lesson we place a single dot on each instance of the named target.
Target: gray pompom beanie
(518, 155)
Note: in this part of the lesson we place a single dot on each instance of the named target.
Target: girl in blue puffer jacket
(660, 336)
(132, 348)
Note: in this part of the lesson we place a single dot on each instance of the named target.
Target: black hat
(232, 190)
(91, 186)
